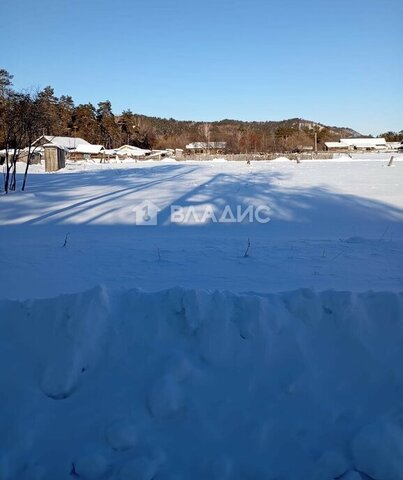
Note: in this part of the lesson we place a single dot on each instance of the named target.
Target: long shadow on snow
(96, 201)
(306, 211)
(309, 209)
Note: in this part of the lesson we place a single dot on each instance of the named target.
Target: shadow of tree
(87, 198)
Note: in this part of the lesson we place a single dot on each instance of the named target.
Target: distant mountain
(340, 131)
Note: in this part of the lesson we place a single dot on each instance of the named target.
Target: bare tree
(13, 118)
(34, 120)
(22, 118)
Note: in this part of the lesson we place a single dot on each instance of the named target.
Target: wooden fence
(244, 157)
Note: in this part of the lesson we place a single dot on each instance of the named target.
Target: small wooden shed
(34, 158)
(55, 157)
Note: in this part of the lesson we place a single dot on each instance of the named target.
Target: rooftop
(68, 143)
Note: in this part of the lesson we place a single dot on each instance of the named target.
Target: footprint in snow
(121, 435)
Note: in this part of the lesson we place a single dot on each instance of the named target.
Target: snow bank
(204, 385)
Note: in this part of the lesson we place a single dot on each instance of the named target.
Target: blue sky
(338, 62)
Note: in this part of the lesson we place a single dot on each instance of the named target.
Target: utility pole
(316, 142)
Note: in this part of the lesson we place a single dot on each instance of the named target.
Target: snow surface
(194, 360)
(334, 224)
(202, 385)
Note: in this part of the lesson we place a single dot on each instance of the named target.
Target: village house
(363, 144)
(206, 147)
(37, 151)
(86, 151)
(129, 151)
(336, 146)
(55, 150)
(36, 155)
(66, 143)
(394, 145)
(4, 154)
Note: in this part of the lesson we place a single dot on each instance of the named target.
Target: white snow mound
(197, 384)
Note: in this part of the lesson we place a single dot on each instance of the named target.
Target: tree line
(24, 116)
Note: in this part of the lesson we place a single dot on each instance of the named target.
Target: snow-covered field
(132, 352)
(334, 224)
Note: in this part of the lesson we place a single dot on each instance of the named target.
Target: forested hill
(43, 112)
(242, 136)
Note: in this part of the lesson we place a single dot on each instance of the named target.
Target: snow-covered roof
(11, 151)
(363, 142)
(203, 145)
(33, 151)
(335, 145)
(131, 150)
(63, 142)
(374, 143)
(88, 148)
(159, 153)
